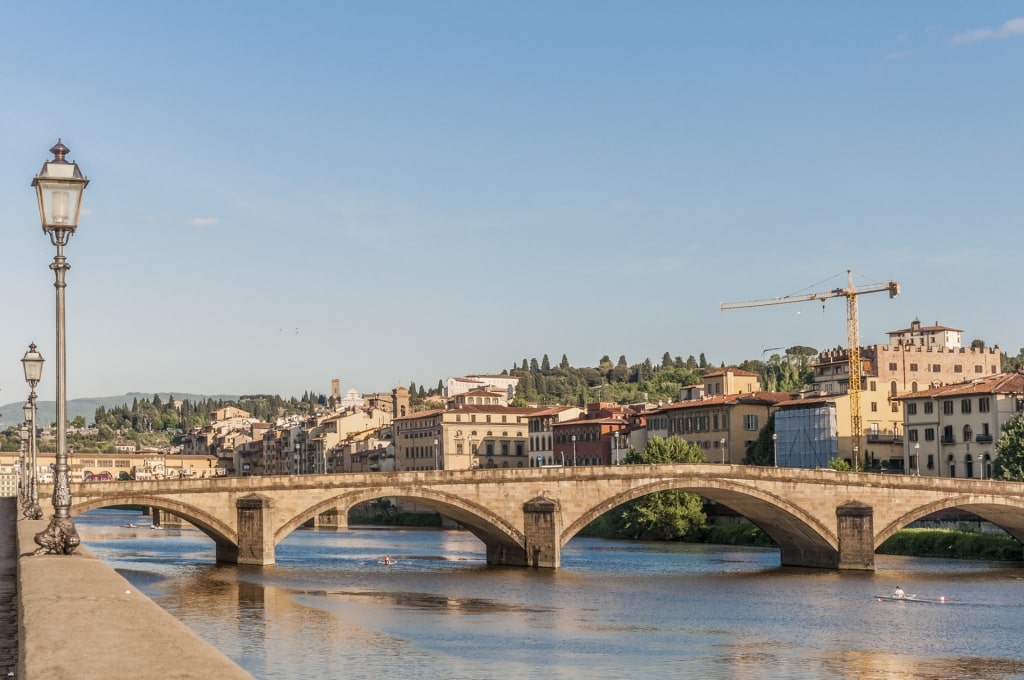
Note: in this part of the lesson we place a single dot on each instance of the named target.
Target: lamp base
(32, 511)
(60, 537)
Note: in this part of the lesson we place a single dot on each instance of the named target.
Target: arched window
(967, 433)
(952, 466)
(969, 467)
(987, 471)
(892, 388)
(913, 386)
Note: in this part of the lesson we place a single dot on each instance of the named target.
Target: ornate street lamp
(775, 449)
(32, 363)
(59, 187)
(22, 465)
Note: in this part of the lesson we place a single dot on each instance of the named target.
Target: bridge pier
(167, 520)
(332, 519)
(855, 522)
(542, 522)
(255, 531)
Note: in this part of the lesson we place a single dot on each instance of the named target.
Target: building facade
(952, 430)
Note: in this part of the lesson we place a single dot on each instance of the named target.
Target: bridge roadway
(819, 518)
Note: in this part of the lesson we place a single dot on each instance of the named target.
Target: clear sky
(402, 191)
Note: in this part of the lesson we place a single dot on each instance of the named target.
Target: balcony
(948, 440)
(882, 438)
(983, 439)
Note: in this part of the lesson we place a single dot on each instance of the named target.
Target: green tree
(665, 515)
(1009, 462)
(840, 465)
(545, 365)
(78, 422)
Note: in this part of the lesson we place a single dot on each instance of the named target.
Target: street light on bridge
(574, 450)
(59, 188)
(722, 443)
(32, 363)
(775, 449)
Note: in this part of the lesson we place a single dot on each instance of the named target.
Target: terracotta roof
(1001, 383)
(925, 329)
(734, 371)
(809, 401)
(764, 398)
(552, 411)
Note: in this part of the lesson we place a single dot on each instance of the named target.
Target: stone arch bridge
(819, 518)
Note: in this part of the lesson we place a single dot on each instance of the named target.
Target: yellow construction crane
(853, 336)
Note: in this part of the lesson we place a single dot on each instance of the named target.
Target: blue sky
(286, 193)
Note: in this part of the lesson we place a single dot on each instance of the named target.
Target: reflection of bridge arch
(490, 528)
(224, 536)
(797, 533)
(1005, 512)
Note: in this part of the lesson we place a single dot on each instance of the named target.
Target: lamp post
(574, 450)
(722, 443)
(435, 454)
(775, 449)
(472, 456)
(856, 459)
(32, 363)
(59, 187)
(22, 465)
(917, 459)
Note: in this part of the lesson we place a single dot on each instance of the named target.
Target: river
(330, 608)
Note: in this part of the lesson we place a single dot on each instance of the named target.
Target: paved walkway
(8, 587)
(81, 620)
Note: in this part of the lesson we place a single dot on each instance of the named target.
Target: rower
(899, 594)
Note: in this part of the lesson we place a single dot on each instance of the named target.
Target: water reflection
(330, 609)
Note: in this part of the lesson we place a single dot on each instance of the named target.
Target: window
(947, 407)
(936, 368)
(893, 366)
(912, 435)
(874, 386)
(874, 406)
(931, 462)
(958, 368)
(983, 405)
(978, 369)
(929, 407)
(911, 408)
(895, 407)
(965, 406)
(913, 386)
(913, 367)
(750, 422)
(892, 388)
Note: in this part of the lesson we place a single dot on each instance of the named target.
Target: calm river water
(331, 609)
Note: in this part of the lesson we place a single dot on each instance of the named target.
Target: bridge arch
(802, 539)
(503, 541)
(1005, 512)
(224, 536)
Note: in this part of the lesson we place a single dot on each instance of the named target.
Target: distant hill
(11, 414)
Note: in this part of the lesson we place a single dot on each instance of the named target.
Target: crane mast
(855, 368)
